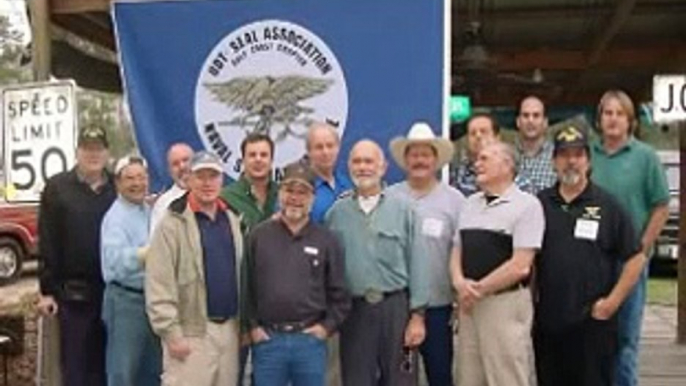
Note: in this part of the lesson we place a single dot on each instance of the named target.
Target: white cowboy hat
(421, 133)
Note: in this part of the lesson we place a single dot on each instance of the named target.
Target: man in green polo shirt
(254, 194)
(631, 171)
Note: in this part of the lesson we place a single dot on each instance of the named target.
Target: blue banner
(209, 72)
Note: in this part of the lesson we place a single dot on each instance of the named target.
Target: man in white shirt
(178, 161)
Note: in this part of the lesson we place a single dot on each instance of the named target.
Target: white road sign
(669, 98)
(39, 126)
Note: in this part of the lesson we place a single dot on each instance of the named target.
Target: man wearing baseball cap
(588, 238)
(296, 294)
(422, 155)
(192, 282)
(72, 207)
(133, 351)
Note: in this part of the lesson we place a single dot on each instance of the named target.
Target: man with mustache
(178, 162)
(499, 231)
(386, 276)
(296, 288)
(588, 238)
(422, 155)
(133, 353)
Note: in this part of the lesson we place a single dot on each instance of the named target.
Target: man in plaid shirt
(534, 149)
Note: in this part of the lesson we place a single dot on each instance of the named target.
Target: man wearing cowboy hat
(421, 154)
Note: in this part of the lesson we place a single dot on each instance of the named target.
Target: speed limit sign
(39, 125)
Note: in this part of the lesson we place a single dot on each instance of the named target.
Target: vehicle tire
(11, 259)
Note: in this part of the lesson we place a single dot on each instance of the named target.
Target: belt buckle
(373, 296)
(288, 327)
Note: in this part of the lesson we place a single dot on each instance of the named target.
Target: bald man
(323, 144)
(178, 163)
(385, 275)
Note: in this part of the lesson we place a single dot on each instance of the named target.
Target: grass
(662, 291)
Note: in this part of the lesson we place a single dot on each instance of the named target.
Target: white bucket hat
(421, 133)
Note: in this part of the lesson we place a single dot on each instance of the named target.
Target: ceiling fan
(476, 69)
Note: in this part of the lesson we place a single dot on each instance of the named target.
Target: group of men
(533, 260)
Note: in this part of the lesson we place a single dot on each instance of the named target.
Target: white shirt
(162, 203)
(367, 204)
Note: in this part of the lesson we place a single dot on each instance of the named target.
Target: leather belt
(514, 287)
(288, 327)
(374, 296)
(127, 287)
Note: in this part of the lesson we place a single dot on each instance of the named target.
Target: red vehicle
(18, 238)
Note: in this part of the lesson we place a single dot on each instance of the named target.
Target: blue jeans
(437, 349)
(630, 319)
(297, 359)
(133, 353)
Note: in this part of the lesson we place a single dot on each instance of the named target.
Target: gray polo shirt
(489, 232)
(438, 213)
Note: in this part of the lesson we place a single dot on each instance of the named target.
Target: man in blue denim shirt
(133, 354)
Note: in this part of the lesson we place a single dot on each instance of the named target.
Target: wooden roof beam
(566, 12)
(652, 57)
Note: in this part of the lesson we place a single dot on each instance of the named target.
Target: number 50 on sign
(39, 122)
(669, 98)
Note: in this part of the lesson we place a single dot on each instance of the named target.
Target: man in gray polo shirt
(438, 205)
(500, 229)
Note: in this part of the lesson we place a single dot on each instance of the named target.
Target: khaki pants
(213, 360)
(494, 342)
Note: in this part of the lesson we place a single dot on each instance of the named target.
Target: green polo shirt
(634, 175)
(383, 249)
(241, 199)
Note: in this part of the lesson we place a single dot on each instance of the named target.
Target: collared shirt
(490, 230)
(240, 197)
(219, 260)
(538, 168)
(586, 241)
(634, 175)
(465, 179)
(383, 249)
(124, 229)
(162, 204)
(69, 220)
(296, 277)
(325, 195)
(438, 212)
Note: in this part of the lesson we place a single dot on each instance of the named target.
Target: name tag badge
(311, 251)
(432, 227)
(586, 229)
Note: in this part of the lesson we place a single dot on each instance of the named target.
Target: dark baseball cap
(92, 134)
(570, 136)
(300, 173)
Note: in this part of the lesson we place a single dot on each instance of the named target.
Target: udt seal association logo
(270, 77)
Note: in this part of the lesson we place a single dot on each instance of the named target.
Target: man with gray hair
(499, 231)
(385, 275)
(323, 144)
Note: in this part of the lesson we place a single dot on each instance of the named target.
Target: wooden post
(48, 362)
(40, 30)
(681, 286)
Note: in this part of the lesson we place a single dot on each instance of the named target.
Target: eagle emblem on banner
(270, 105)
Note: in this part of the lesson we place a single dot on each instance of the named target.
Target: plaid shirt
(463, 178)
(538, 169)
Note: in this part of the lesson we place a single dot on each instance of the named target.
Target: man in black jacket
(72, 206)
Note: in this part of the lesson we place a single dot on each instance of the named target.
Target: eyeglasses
(407, 364)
